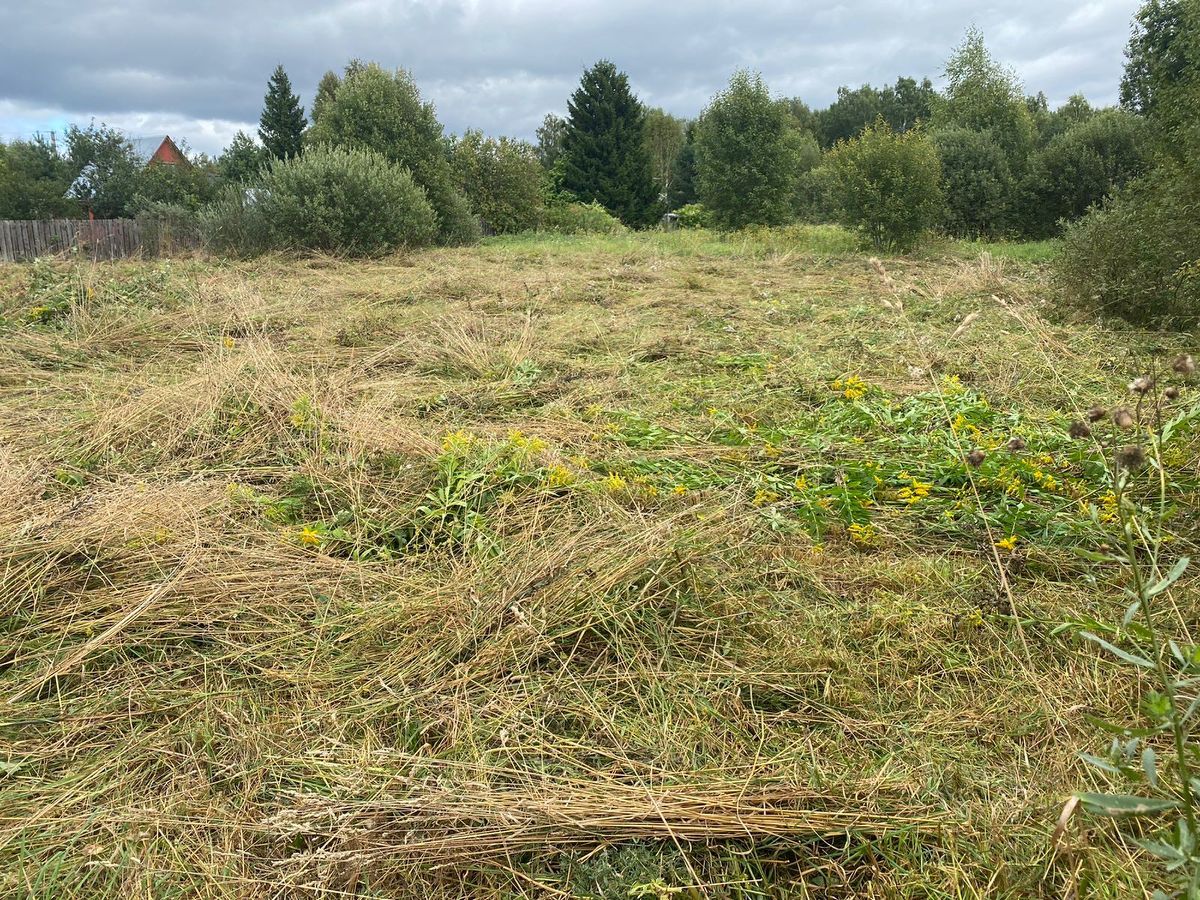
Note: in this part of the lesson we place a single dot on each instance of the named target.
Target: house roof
(145, 147)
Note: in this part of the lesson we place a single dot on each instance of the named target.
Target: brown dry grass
(610, 689)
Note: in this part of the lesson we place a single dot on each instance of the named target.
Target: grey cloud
(502, 65)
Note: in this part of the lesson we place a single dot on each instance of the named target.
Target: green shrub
(1080, 167)
(234, 223)
(748, 156)
(977, 182)
(1138, 256)
(573, 217)
(167, 227)
(328, 199)
(694, 215)
(886, 185)
(502, 180)
(383, 111)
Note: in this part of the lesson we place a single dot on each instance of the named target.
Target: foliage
(189, 184)
(332, 200)
(604, 150)
(550, 139)
(1136, 256)
(501, 179)
(747, 156)
(665, 137)
(242, 159)
(234, 223)
(34, 179)
(326, 89)
(902, 106)
(1081, 167)
(167, 227)
(977, 182)
(568, 216)
(1157, 54)
(983, 95)
(886, 185)
(106, 170)
(1139, 255)
(281, 125)
(1161, 762)
(382, 111)
(683, 171)
(694, 215)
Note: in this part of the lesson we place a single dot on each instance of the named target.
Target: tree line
(980, 158)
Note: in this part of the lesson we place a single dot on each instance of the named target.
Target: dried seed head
(1172, 393)
(1096, 413)
(1184, 364)
(1131, 457)
(1122, 417)
(1141, 384)
(976, 458)
(1015, 444)
(1079, 430)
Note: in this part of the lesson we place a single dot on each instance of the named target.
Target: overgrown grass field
(635, 566)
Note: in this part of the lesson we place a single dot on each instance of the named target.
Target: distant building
(158, 150)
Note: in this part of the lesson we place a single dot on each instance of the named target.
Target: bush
(383, 111)
(886, 185)
(573, 217)
(747, 156)
(502, 180)
(694, 215)
(1138, 256)
(168, 227)
(813, 200)
(1079, 168)
(328, 199)
(977, 182)
(234, 223)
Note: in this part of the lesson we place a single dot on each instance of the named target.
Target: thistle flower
(1122, 418)
(1184, 364)
(1096, 413)
(1172, 393)
(1131, 457)
(976, 458)
(1141, 384)
(1079, 430)
(1015, 444)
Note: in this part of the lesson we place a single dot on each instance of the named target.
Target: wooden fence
(97, 239)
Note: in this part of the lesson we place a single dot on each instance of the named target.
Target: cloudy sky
(198, 70)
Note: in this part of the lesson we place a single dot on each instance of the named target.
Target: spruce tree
(604, 153)
(281, 125)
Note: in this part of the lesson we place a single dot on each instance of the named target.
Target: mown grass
(645, 565)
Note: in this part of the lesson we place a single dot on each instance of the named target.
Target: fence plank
(22, 239)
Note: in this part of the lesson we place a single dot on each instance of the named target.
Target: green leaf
(1125, 804)
(1178, 569)
(1149, 766)
(1117, 651)
(1162, 850)
(1103, 765)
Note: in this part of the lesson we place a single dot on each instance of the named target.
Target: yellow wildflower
(679, 490)
(1009, 543)
(309, 536)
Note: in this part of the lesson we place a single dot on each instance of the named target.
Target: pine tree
(282, 122)
(604, 152)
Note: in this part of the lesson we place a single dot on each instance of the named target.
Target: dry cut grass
(641, 566)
